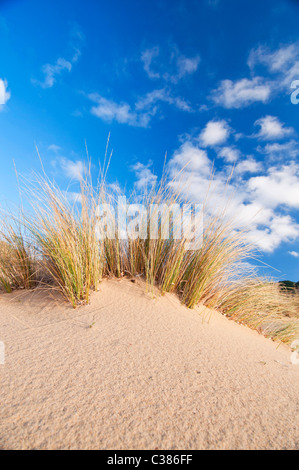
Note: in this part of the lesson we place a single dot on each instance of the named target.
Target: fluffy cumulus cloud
(275, 230)
(229, 154)
(249, 165)
(280, 186)
(215, 133)
(4, 93)
(191, 159)
(71, 169)
(145, 178)
(295, 254)
(272, 129)
(241, 93)
(271, 72)
(260, 198)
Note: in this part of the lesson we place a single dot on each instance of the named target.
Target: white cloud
(54, 148)
(241, 93)
(180, 67)
(181, 104)
(258, 203)
(230, 154)
(250, 165)
(147, 58)
(4, 94)
(150, 99)
(145, 108)
(52, 71)
(215, 133)
(276, 61)
(73, 170)
(177, 65)
(283, 66)
(191, 158)
(272, 129)
(187, 65)
(283, 62)
(276, 151)
(280, 186)
(109, 111)
(279, 229)
(145, 177)
(294, 253)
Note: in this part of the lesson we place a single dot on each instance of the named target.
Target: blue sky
(208, 82)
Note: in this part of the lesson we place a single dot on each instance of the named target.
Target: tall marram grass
(18, 267)
(263, 306)
(66, 239)
(71, 257)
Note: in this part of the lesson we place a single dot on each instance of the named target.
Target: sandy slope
(149, 374)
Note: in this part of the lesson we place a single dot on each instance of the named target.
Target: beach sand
(137, 371)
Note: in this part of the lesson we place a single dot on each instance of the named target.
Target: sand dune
(130, 371)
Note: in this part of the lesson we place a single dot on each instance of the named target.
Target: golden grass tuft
(18, 268)
(263, 306)
(66, 239)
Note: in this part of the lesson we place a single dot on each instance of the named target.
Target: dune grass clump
(65, 235)
(262, 305)
(157, 259)
(17, 258)
(167, 262)
(73, 258)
